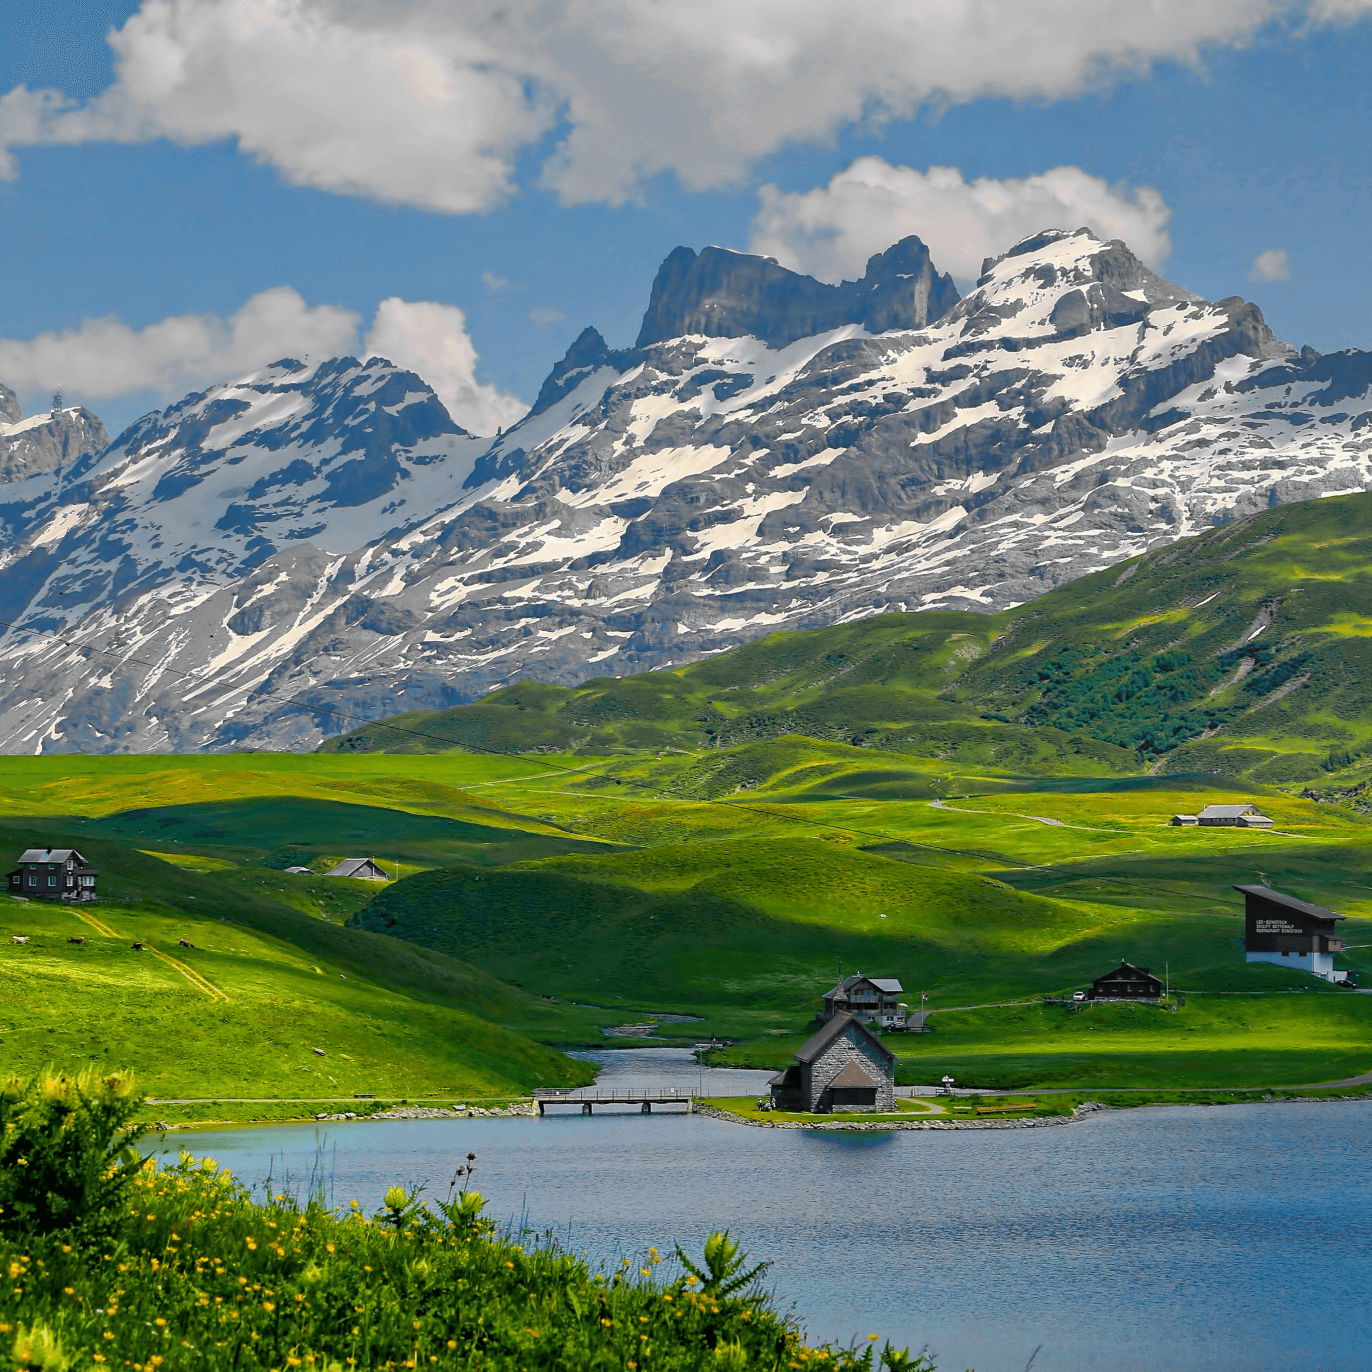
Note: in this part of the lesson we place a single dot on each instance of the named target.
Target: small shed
(1126, 982)
(844, 1066)
(1183, 821)
(360, 869)
(1246, 816)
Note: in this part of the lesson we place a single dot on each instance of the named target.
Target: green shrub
(65, 1158)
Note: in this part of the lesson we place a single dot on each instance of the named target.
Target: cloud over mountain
(830, 231)
(429, 104)
(105, 358)
(432, 339)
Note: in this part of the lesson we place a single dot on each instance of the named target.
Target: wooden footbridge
(590, 1098)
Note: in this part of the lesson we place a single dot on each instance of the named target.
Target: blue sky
(1259, 147)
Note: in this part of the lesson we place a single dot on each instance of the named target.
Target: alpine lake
(1227, 1239)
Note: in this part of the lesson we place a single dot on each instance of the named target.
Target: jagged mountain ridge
(328, 533)
(723, 294)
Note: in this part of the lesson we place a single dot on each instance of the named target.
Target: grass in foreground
(178, 1268)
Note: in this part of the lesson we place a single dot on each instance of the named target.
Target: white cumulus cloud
(429, 103)
(832, 230)
(432, 341)
(1271, 265)
(106, 359)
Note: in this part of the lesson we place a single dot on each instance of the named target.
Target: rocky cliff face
(275, 560)
(724, 294)
(44, 442)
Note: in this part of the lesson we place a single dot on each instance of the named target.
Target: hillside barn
(1246, 816)
(53, 874)
(1126, 982)
(1289, 932)
(870, 999)
(359, 869)
(842, 1067)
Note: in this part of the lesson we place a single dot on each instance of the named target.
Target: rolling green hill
(240, 1011)
(1244, 652)
(675, 893)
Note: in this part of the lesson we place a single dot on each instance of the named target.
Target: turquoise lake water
(1216, 1239)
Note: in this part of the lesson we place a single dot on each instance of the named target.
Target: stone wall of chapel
(851, 1044)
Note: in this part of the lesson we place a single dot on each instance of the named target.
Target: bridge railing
(609, 1096)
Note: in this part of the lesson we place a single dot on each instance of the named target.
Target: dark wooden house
(873, 999)
(1289, 932)
(842, 1067)
(1126, 982)
(53, 874)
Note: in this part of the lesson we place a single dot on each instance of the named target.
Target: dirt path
(201, 984)
(1014, 814)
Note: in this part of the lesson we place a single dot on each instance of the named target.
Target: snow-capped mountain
(773, 452)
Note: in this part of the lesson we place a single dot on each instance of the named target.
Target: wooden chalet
(53, 874)
(1289, 932)
(844, 1066)
(1126, 982)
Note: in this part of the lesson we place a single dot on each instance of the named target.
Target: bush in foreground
(181, 1269)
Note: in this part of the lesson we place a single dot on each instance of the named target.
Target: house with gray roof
(1246, 816)
(844, 1066)
(53, 874)
(871, 999)
(360, 869)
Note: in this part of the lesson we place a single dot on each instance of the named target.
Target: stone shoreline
(870, 1126)
(431, 1112)
(528, 1109)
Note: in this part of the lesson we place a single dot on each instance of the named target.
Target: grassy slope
(739, 909)
(392, 1017)
(994, 905)
(1156, 660)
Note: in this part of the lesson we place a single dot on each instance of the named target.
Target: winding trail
(201, 983)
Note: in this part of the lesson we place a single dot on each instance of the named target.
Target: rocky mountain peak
(588, 352)
(724, 294)
(44, 443)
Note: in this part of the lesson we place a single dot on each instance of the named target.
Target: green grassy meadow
(977, 805)
(465, 977)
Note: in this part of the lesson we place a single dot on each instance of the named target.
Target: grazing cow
(19, 938)
(77, 939)
(137, 947)
(185, 943)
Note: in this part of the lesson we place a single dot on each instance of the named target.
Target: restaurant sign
(1276, 926)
